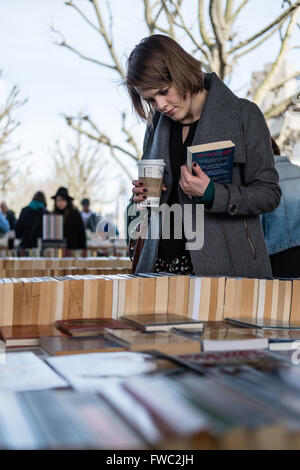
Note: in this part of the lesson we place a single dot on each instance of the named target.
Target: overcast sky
(55, 81)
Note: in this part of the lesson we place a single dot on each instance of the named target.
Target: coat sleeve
(259, 191)
(19, 228)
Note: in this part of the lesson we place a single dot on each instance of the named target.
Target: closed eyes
(161, 92)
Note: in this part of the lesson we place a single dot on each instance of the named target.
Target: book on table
(26, 335)
(215, 159)
(281, 339)
(217, 336)
(263, 323)
(88, 326)
(64, 345)
(161, 322)
(162, 341)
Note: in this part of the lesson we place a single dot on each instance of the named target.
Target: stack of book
(43, 300)
(59, 262)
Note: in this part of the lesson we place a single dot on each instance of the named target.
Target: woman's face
(168, 101)
(61, 203)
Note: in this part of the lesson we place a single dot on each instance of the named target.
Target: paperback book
(88, 326)
(263, 323)
(162, 341)
(161, 322)
(62, 346)
(215, 159)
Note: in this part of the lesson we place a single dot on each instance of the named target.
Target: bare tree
(10, 156)
(80, 167)
(213, 39)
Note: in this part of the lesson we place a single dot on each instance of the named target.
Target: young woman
(183, 107)
(74, 231)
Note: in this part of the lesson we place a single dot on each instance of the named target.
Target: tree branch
(130, 139)
(201, 21)
(187, 30)
(279, 109)
(267, 28)
(266, 84)
(107, 39)
(101, 138)
(239, 9)
(86, 19)
(284, 81)
(228, 10)
(214, 11)
(261, 41)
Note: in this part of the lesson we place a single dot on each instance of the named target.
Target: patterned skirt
(177, 265)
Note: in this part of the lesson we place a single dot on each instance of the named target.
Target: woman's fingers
(140, 192)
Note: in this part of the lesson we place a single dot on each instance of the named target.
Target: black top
(74, 231)
(177, 148)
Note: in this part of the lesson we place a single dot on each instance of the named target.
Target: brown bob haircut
(156, 62)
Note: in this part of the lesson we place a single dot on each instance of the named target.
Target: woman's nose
(160, 102)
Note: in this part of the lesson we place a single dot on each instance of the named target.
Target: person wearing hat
(89, 218)
(74, 231)
(29, 226)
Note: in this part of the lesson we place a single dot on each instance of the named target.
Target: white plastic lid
(159, 162)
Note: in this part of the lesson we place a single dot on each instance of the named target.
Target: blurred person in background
(282, 226)
(74, 231)
(11, 218)
(4, 225)
(89, 218)
(29, 226)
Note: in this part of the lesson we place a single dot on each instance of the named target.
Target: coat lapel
(220, 119)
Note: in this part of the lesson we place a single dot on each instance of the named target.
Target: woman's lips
(170, 112)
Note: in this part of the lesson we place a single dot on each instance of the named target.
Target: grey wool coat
(233, 239)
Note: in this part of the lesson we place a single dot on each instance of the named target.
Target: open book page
(97, 371)
(24, 371)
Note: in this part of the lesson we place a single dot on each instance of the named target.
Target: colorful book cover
(215, 159)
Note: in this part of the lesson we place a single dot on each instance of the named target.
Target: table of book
(139, 400)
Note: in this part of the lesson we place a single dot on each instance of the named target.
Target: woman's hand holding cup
(140, 191)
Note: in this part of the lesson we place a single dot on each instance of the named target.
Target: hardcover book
(27, 335)
(218, 337)
(161, 321)
(162, 341)
(263, 323)
(60, 346)
(215, 159)
(88, 326)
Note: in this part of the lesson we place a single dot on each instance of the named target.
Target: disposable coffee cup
(151, 174)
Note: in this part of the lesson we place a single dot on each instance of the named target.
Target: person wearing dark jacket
(74, 231)
(29, 227)
(282, 226)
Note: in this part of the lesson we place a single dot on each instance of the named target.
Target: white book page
(98, 371)
(24, 371)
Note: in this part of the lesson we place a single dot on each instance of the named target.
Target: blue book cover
(215, 159)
